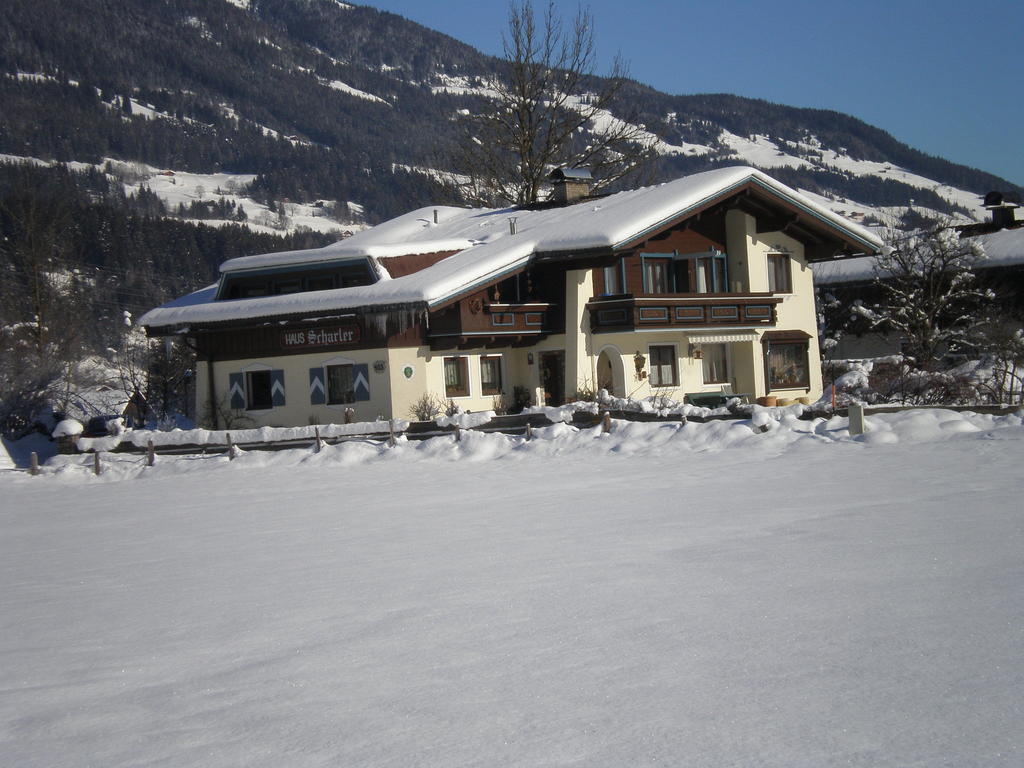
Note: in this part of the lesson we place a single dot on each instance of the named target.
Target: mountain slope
(321, 99)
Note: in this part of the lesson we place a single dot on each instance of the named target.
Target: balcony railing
(533, 317)
(491, 324)
(628, 313)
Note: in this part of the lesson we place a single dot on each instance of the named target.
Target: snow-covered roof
(1002, 248)
(485, 246)
(100, 400)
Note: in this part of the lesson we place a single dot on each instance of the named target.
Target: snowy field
(703, 595)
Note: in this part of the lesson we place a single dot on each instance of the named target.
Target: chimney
(570, 184)
(1002, 208)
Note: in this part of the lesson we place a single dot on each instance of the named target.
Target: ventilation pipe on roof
(435, 215)
(511, 225)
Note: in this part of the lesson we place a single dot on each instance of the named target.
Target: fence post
(856, 415)
(391, 433)
(458, 434)
(529, 431)
(33, 465)
(96, 462)
(231, 447)
(150, 453)
(319, 443)
(606, 423)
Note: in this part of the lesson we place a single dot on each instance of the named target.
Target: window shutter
(236, 391)
(317, 390)
(361, 382)
(277, 388)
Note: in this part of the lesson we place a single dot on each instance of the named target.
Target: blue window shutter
(317, 388)
(236, 391)
(277, 388)
(361, 381)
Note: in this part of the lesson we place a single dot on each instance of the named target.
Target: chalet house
(700, 285)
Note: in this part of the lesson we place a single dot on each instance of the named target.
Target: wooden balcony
(535, 317)
(609, 314)
(485, 324)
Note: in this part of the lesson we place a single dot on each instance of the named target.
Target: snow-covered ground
(667, 595)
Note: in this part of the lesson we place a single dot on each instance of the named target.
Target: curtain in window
(340, 387)
(716, 365)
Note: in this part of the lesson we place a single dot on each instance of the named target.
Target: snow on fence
(197, 441)
(581, 415)
(200, 440)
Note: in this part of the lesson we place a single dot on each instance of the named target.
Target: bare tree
(929, 293)
(549, 110)
(41, 300)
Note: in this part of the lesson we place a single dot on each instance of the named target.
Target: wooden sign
(310, 338)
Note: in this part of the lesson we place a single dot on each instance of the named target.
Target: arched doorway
(610, 375)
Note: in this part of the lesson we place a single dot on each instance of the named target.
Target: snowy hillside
(701, 595)
(312, 101)
(182, 188)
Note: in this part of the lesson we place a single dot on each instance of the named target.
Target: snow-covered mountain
(345, 111)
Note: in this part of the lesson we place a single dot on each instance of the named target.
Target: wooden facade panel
(653, 314)
(293, 339)
(680, 241)
(690, 314)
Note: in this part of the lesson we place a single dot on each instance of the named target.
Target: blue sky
(942, 76)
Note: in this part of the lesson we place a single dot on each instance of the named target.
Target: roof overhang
(826, 238)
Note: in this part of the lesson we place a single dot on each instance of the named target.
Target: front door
(552, 377)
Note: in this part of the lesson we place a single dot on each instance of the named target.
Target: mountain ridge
(240, 86)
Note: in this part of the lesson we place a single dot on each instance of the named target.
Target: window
(612, 280)
(258, 392)
(779, 279)
(711, 274)
(456, 380)
(320, 283)
(705, 272)
(663, 366)
(787, 365)
(657, 277)
(490, 375)
(248, 291)
(340, 385)
(282, 287)
(716, 363)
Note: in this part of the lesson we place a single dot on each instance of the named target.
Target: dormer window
(299, 279)
(282, 287)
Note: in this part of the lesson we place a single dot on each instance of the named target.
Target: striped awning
(722, 337)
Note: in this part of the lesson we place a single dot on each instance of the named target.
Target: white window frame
(728, 364)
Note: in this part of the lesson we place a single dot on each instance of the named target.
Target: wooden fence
(520, 424)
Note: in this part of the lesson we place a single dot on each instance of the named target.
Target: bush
(427, 408)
